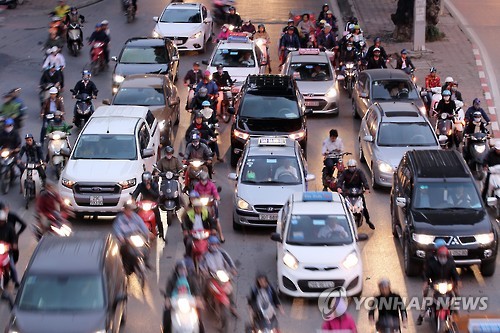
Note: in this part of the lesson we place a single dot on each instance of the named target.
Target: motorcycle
(264, 316)
(135, 255)
(494, 186)
(219, 288)
(349, 77)
(31, 183)
(200, 246)
(185, 318)
(169, 196)
(98, 62)
(444, 130)
(7, 168)
(284, 53)
(440, 310)
(459, 122)
(83, 109)
(54, 224)
(190, 95)
(436, 97)
(264, 56)
(221, 10)
(192, 174)
(130, 11)
(74, 38)
(147, 214)
(388, 324)
(227, 102)
(330, 182)
(4, 265)
(354, 201)
(476, 153)
(58, 140)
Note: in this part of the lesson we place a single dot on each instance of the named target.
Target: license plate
(312, 103)
(177, 41)
(96, 200)
(268, 217)
(459, 253)
(320, 284)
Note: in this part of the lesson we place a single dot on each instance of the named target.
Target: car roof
(399, 112)
(386, 74)
(257, 148)
(224, 44)
(121, 111)
(184, 5)
(143, 80)
(81, 253)
(145, 41)
(111, 125)
(314, 58)
(438, 164)
(311, 207)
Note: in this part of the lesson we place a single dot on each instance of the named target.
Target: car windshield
(234, 58)
(446, 195)
(105, 147)
(271, 170)
(62, 293)
(144, 55)
(310, 71)
(393, 89)
(276, 107)
(405, 135)
(318, 230)
(181, 15)
(139, 96)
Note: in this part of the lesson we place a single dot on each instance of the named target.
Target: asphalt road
(20, 37)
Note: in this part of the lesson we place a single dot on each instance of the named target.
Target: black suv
(434, 196)
(268, 105)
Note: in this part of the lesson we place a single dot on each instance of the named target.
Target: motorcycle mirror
(310, 177)
(491, 201)
(181, 154)
(363, 95)
(6, 297)
(219, 189)
(147, 153)
(232, 176)
(362, 237)
(204, 62)
(175, 58)
(114, 58)
(65, 152)
(70, 127)
(368, 138)
(340, 77)
(276, 237)
(401, 202)
(106, 102)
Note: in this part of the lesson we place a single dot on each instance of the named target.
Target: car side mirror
(362, 237)
(204, 62)
(65, 152)
(232, 176)
(231, 110)
(148, 152)
(155, 18)
(308, 112)
(310, 177)
(368, 138)
(6, 297)
(115, 58)
(276, 237)
(119, 298)
(106, 102)
(401, 202)
(491, 201)
(363, 95)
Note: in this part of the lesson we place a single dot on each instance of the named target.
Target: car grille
(457, 240)
(321, 106)
(109, 188)
(268, 208)
(303, 285)
(309, 268)
(178, 40)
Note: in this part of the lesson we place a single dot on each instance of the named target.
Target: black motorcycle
(444, 130)
(476, 152)
(169, 195)
(130, 11)
(83, 109)
(350, 74)
(7, 168)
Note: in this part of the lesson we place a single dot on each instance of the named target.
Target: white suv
(116, 145)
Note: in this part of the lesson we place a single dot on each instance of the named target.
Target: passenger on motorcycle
(8, 235)
(233, 18)
(73, 17)
(341, 320)
(248, 27)
(324, 10)
(390, 307)
(404, 62)
(327, 38)
(149, 191)
(52, 76)
(50, 106)
(432, 80)
(180, 282)
(492, 159)
(58, 124)
(34, 154)
(209, 116)
(212, 89)
(205, 187)
(196, 217)
(377, 43)
(9, 137)
(355, 177)
(455, 94)
(54, 58)
(331, 20)
(12, 109)
(332, 144)
(446, 105)
(224, 33)
(263, 292)
(476, 107)
(376, 61)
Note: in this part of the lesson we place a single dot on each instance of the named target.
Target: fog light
(488, 253)
(420, 254)
(197, 46)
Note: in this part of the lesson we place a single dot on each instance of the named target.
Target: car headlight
(485, 239)
(351, 260)
(243, 205)
(100, 331)
(127, 183)
(241, 135)
(155, 34)
(331, 93)
(196, 35)
(423, 239)
(67, 183)
(67, 202)
(384, 167)
(299, 135)
(290, 261)
(118, 78)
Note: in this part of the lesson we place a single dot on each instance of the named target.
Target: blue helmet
(213, 240)
(194, 194)
(439, 243)
(446, 93)
(205, 103)
(9, 122)
(195, 137)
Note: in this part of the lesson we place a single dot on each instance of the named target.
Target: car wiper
(251, 181)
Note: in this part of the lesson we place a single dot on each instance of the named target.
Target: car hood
(60, 322)
(101, 170)
(178, 29)
(315, 87)
(393, 155)
(267, 194)
(451, 222)
(264, 126)
(321, 255)
(237, 73)
(129, 69)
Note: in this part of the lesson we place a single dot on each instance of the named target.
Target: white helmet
(352, 163)
(53, 90)
(449, 79)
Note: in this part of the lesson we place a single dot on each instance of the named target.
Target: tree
(403, 18)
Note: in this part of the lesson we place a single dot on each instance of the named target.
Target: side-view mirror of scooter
(65, 152)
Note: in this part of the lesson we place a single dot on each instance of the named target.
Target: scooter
(190, 95)
(135, 256)
(169, 196)
(476, 153)
(83, 109)
(349, 77)
(440, 310)
(185, 318)
(459, 122)
(330, 182)
(31, 183)
(444, 130)
(192, 174)
(436, 97)
(354, 201)
(56, 224)
(98, 63)
(58, 140)
(264, 57)
(4, 265)
(74, 38)
(7, 168)
(264, 316)
(221, 10)
(130, 11)
(147, 214)
(219, 288)
(494, 186)
(227, 102)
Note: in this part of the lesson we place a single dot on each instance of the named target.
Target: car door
(371, 130)
(147, 141)
(207, 22)
(359, 87)
(281, 227)
(404, 191)
(173, 55)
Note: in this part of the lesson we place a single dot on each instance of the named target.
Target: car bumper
(187, 43)
(476, 254)
(295, 283)
(322, 104)
(383, 178)
(251, 219)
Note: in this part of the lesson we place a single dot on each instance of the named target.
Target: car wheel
(393, 221)
(488, 268)
(204, 48)
(374, 182)
(355, 114)
(361, 155)
(234, 158)
(236, 226)
(412, 267)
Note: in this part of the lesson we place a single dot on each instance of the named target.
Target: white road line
(487, 95)
(475, 51)
(491, 110)
(482, 76)
(479, 62)
(494, 126)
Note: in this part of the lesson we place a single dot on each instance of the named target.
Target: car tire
(234, 158)
(488, 268)
(204, 48)
(374, 182)
(361, 155)
(412, 267)
(393, 222)
(355, 114)
(236, 226)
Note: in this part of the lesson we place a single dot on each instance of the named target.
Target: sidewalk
(45, 6)
(447, 55)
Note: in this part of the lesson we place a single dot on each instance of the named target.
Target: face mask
(196, 143)
(73, 13)
(169, 156)
(86, 79)
(204, 182)
(446, 98)
(477, 120)
(349, 48)
(442, 260)
(351, 169)
(453, 89)
(9, 129)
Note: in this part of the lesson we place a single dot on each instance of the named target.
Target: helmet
(9, 122)
(477, 114)
(105, 22)
(98, 25)
(384, 282)
(376, 49)
(446, 93)
(147, 176)
(53, 49)
(261, 26)
(203, 175)
(352, 163)
(322, 22)
(196, 63)
(86, 72)
(203, 92)
(439, 243)
(169, 150)
(53, 90)
(73, 8)
(205, 103)
(220, 66)
(28, 136)
(213, 240)
(194, 194)
(377, 40)
(3, 215)
(404, 51)
(433, 70)
(199, 114)
(476, 101)
(232, 8)
(443, 250)
(448, 79)
(356, 27)
(195, 137)
(290, 20)
(226, 26)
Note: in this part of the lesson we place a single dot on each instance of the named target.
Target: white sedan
(189, 25)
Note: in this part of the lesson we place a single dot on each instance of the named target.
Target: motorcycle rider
(105, 26)
(206, 133)
(209, 116)
(9, 137)
(376, 61)
(34, 155)
(377, 43)
(149, 191)
(332, 144)
(206, 187)
(341, 321)
(212, 89)
(289, 40)
(12, 109)
(55, 58)
(73, 17)
(53, 40)
(327, 38)
(476, 107)
(194, 75)
(306, 27)
(248, 27)
(198, 99)
(290, 25)
(85, 85)
(404, 62)
(52, 76)
(492, 159)
(355, 177)
(13, 219)
(233, 18)
(432, 80)
(49, 205)
(224, 33)
(348, 54)
(100, 35)
(51, 105)
(390, 306)
(446, 105)
(196, 217)
(222, 77)
(62, 9)
(170, 163)
(180, 280)
(262, 291)
(8, 235)
(455, 94)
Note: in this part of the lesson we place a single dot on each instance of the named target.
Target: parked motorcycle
(330, 181)
(130, 11)
(219, 288)
(4, 265)
(31, 183)
(7, 168)
(98, 62)
(354, 201)
(147, 214)
(476, 153)
(444, 130)
(83, 109)
(54, 224)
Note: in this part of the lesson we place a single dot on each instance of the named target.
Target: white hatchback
(188, 25)
(317, 246)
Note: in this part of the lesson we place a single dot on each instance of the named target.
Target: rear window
(234, 58)
(310, 71)
(144, 55)
(140, 96)
(270, 107)
(393, 89)
(406, 135)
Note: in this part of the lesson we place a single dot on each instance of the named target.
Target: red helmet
(443, 250)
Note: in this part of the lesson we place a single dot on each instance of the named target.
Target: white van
(115, 147)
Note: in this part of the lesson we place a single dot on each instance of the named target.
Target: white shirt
(198, 222)
(329, 146)
(57, 60)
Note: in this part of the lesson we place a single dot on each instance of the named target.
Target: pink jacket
(223, 35)
(208, 189)
(344, 322)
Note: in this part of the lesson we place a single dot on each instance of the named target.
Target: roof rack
(269, 81)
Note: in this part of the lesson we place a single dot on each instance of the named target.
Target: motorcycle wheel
(359, 220)
(74, 49)
(95, 67)
(226, 117)
(222, 316)
(350, 88)
(140, 272)
(130, 16)
(170, 217)
(5, 185)
(440, 325)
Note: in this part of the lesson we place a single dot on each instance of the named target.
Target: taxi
(315, 77)
(317, 246)
(269, 171)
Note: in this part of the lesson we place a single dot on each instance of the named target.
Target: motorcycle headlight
(444, 287)
(222, 276)
(444, 115)
(183, 304)
(196, 163)
(147, 206)
(331, 93)
(67, 183)
(156, 34)
(423, 239)
(4, 248)
(351, 260)
(5, 153)
(196, 35)
(349, 65)
(485, 239)
(137, 241)
(56, 137)
(384, 167)
(243, 205)
(162, 125)
(290, 261)
(118, 78)
(204, 201)
(127, 183)
(299, 135)
(480, 148)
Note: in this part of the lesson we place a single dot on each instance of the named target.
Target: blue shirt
(125, 226)
(469, 114)
(211, 87)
